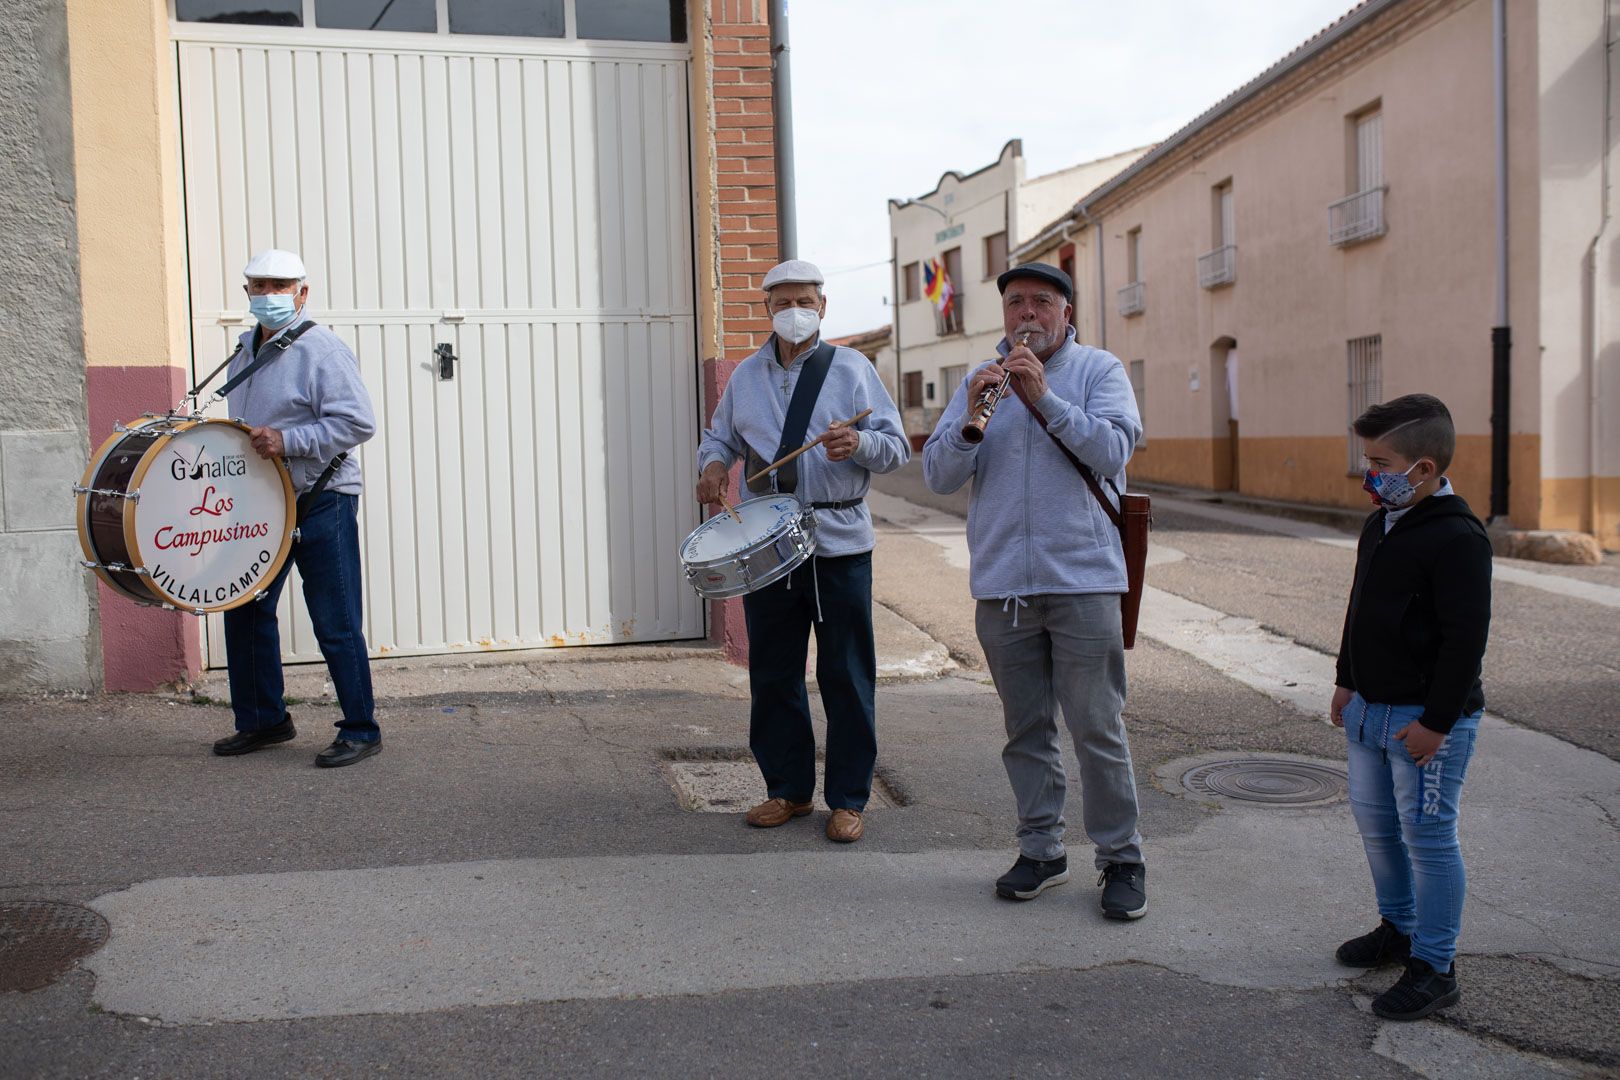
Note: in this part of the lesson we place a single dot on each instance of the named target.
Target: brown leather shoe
(845, 826)
(773, 812)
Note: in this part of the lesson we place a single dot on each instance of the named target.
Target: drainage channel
(725, 780)
(41, 940)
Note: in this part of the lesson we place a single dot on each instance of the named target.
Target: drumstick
(732, 510)
(834, 426)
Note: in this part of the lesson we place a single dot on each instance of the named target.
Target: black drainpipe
(1502, 332)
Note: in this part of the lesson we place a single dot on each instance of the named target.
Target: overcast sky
(889, 94)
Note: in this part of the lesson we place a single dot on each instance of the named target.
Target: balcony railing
(1218, 267)
(1357, 218)
(1133, 299)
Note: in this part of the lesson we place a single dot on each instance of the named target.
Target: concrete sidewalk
(903, 652)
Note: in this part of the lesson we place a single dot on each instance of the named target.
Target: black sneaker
(1383, 945)
(1124, 894)
(1028, 877)
(1418, 992)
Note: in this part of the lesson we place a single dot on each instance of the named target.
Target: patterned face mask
(1391, 489)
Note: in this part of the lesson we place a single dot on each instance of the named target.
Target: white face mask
(796, 324)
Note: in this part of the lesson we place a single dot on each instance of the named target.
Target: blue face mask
(273, 310)
(1391, 489)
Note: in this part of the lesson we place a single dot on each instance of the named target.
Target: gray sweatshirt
(754, 407)
(1033, 525)
(313, 395)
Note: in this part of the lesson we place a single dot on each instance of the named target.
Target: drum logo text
(167, 538)
(229, 465)
(216, 594)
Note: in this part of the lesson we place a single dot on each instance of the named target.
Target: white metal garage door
(527, 203)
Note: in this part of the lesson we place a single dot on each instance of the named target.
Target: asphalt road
(552, 773)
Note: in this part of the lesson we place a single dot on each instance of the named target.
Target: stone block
(45, 620)
(40, 468)
(1559, 546)
(46, 597)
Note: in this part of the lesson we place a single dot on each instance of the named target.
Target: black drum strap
(271, 349)
(803, 403)
(325, 478)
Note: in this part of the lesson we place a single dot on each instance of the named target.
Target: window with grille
(1139, 388)
(1366, 379)
(911, 394)
(950, 377)
(950, 321)
(618, 20)
(995, 254)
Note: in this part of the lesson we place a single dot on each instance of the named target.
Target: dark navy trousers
(327, 555)
(779, 620)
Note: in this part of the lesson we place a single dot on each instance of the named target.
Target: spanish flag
(937, 285)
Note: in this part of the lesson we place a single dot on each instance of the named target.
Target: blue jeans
(327, 555)
(779, 620)
(1408, 822)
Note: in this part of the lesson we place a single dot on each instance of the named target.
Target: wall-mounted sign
(945, 234)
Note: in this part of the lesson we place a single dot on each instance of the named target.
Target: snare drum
(723, 558)
(181, 511)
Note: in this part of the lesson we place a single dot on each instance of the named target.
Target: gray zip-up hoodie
(754, 407)
(313, 395)
(1033, 525)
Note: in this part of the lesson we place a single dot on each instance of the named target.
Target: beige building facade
(970, 223)
(1326, 237)
(629, 153)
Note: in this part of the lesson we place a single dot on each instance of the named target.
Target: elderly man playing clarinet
(793, 385)
(1047, 570)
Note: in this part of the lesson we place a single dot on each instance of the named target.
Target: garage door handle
(447, 361)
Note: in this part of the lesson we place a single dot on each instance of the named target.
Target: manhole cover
(1273, 781)
(40, 940)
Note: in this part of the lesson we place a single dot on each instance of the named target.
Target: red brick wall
(744, 178)
(745, 168)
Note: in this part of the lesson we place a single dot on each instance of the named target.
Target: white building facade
(969, 223)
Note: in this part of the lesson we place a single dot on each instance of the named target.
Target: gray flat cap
(792, 272)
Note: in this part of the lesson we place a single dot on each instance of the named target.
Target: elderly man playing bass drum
(1048, 570)
(795, 384)
(306, 403)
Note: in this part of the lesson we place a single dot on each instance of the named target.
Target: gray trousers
(1065, 652)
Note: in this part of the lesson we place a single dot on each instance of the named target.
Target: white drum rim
(741, 553)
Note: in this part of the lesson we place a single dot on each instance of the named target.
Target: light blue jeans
(1408, 822)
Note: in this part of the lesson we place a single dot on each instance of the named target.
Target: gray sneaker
(1124, 894)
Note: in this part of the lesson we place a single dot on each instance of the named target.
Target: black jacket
(1420, 611)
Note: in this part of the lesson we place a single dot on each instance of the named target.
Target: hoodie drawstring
(815, 583)
(1008, 602)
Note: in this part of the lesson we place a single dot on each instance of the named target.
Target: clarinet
(985, 406)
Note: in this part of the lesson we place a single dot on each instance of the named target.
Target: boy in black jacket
(1409, 696)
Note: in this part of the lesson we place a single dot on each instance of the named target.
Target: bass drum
(180, 511)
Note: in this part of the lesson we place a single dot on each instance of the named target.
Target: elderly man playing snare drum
(795, 385)
(306, 404)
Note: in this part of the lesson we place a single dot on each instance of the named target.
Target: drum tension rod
(115, 566)
(133, 496)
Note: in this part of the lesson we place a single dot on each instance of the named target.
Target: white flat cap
(275, 263)
(794, 271)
